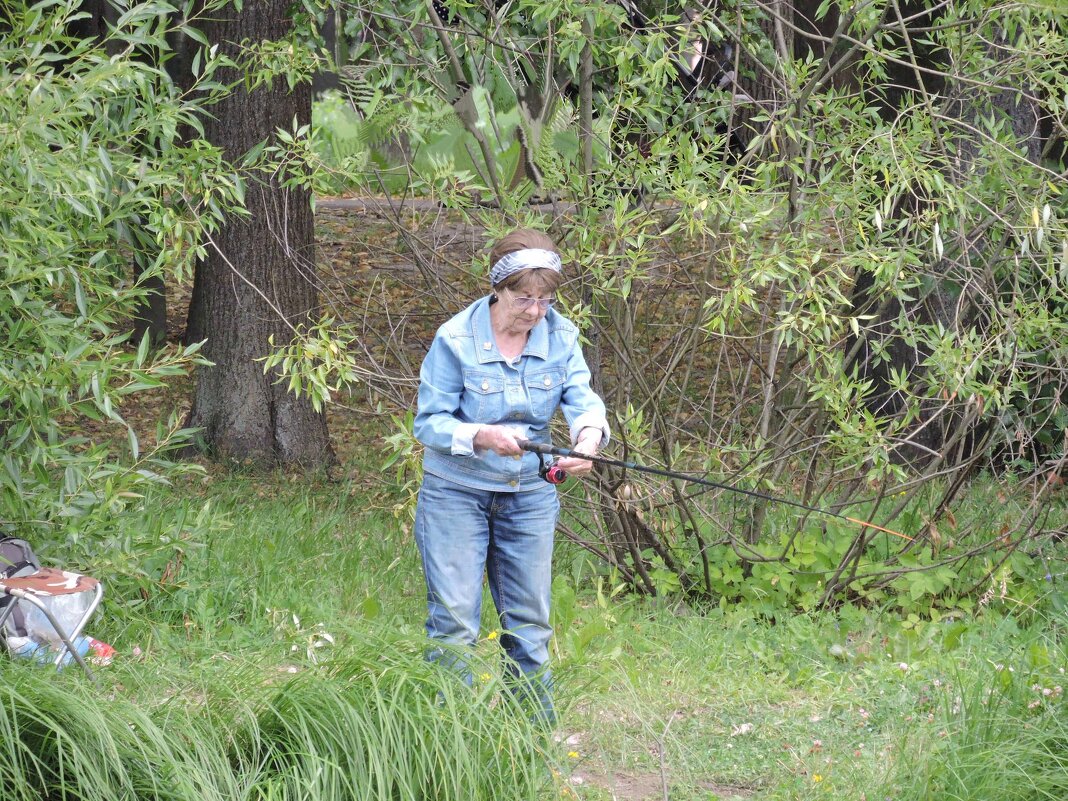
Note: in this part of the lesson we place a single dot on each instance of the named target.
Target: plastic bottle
(45, 654)
(22, 647)
(67, 609)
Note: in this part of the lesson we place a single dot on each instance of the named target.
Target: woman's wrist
(589, 436)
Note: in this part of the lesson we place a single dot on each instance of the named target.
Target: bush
(93, 178)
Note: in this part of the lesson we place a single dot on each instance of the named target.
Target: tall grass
(377, 724)
(60, 740)
(387, 727)
(222, 691)
(998, 734)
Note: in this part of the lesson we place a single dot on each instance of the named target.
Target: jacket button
(485, 385)
(513, 483)
(548, 381)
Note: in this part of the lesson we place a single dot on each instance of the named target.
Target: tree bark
(762, 82)
(334, 39)
(258, 279)
(151, 314)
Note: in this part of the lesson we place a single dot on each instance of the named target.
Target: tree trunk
(333, 34)
(762, 82)
(258, 278)
(151, 314)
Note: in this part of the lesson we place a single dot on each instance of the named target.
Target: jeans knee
(453, 623)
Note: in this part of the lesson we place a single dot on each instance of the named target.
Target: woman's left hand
(587, 444)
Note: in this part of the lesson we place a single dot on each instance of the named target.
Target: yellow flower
(491, 636)
(484, 677)
(817, 778)
(573, 754)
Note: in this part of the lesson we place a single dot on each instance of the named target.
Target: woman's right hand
(502, 440)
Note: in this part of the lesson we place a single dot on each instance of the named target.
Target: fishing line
(554, 475)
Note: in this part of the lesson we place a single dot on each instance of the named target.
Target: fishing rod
(554, 475)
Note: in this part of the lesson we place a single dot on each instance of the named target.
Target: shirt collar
(486, 346)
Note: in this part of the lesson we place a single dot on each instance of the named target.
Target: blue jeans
(463, 533)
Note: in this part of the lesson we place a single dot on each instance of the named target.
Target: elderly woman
(494, 376)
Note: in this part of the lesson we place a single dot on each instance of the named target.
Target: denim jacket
(465, 383)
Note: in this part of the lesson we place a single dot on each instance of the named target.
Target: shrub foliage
(94, 178)
(828, 267)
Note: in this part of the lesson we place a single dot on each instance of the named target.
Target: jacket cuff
(463, 439)
(590, 420)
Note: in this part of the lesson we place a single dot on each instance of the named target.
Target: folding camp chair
(48, 582)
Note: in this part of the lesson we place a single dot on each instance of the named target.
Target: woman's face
(522, 308)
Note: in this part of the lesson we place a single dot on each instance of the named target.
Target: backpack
(16, 559)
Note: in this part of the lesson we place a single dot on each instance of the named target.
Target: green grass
(998, 733)
(376, 724)
(270, 647)
(813, 708)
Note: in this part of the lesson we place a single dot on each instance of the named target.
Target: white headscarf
(526, 259)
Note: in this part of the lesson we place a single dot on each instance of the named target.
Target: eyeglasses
(525, 303)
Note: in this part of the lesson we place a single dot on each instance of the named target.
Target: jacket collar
(486, 345)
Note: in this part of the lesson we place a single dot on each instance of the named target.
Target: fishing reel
(550, 472)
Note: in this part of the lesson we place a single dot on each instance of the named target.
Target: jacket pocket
(545, 388)
(483, 400)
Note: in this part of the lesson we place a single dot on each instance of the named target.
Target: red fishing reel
(550, 472)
